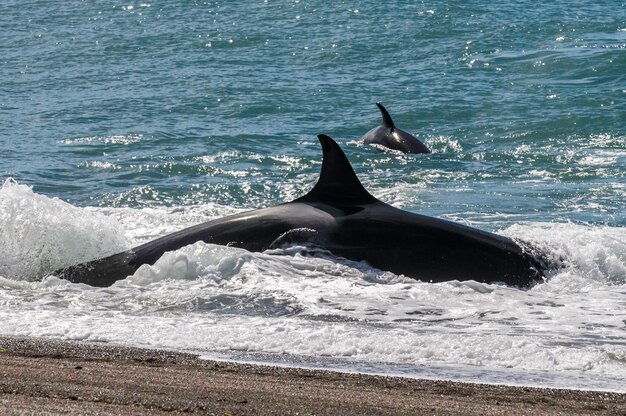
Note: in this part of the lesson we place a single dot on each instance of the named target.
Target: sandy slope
(39, 376)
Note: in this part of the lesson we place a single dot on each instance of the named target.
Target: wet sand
(41, 376)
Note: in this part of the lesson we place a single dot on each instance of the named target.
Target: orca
(388, 135)
(341, 216)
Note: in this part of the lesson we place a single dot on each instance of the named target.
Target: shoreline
(49, 376)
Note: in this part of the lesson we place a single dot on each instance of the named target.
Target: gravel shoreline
(44, 376)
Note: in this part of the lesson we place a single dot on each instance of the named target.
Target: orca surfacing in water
(388, 135)
(339, 214)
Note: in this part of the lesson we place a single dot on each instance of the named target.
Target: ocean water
(124, 121)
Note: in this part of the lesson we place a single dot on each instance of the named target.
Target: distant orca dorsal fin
(337, 182)
(387, 121)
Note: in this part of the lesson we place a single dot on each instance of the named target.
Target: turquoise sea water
(140, 104)
(148, 117)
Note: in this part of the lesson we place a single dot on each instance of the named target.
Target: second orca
(388, 135)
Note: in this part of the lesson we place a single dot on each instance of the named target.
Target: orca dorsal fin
(387, 121)
(337, 184)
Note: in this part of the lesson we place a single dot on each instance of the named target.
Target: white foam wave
(205, 261)
(590, 254)
(113, 139)
(40, 234)
(215, 299)
(399, 344)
